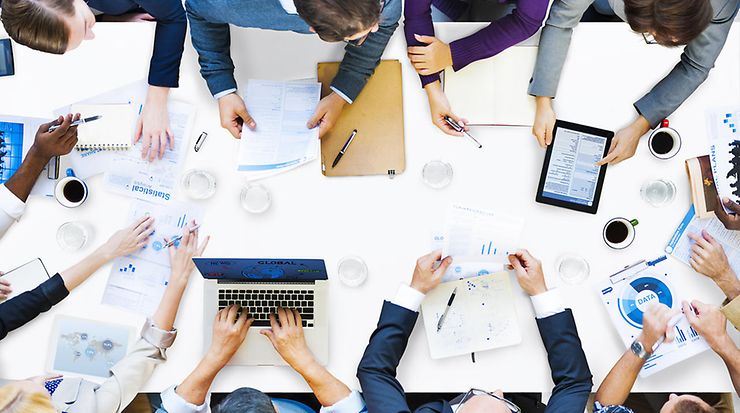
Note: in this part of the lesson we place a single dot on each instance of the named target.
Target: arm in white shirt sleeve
(11, 209)
(408, 298)
(547, 304)
(219, 95)
(353, 403)
(173, 403)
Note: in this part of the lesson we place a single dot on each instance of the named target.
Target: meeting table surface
(387, 222)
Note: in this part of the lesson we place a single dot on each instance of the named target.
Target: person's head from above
(480, 401)
(340, 20)
(25, 396)
(246, 400)
(686, 403)
(670, 22)
(52, 26)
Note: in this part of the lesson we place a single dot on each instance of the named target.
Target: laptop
(261, 286)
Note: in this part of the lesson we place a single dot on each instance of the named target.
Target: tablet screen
(572, 175)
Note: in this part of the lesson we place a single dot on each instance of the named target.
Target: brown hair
(335, 20)
(692, 406)
(14, 400)
(38, 24)
(672, 22)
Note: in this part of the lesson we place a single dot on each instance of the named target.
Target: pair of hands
(706, 319)
(528, 269)
(234, 114)
(624, 145)
(285, 334)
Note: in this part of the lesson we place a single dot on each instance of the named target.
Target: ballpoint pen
(447, 309)
(179, 237)
(454, 125)
(52, 128)
(344, 148)
(200, 141)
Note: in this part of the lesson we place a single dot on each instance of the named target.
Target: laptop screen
(261, 269)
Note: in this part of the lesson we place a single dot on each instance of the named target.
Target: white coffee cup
(659, 146)
(619, 233)
(71, 191)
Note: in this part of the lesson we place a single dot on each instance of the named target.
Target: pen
(344, 148)
(672, 324)
(454, 125)
(199, 142)
(447, 309)
(52, 128)
(179, 237)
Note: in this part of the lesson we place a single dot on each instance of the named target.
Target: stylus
(52, 128)
(454, 125)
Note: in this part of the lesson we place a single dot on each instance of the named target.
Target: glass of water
(658, 192)
(255, 199)
(573, 269)
(199, 184)
(72, 236)
(352, 270)
(437, 174)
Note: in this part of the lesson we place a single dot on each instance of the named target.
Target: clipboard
(377, 114)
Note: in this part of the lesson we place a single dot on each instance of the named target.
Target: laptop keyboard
(260, 303)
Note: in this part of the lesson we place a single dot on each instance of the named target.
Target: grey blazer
(697, 59)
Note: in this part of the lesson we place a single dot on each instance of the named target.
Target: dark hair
(246, 400)
(335, 20)
(38, 24)
(672, 22)
(693, 406)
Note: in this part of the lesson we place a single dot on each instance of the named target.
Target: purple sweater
(507, 31)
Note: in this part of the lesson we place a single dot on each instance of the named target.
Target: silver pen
(454, 125)
(447, 309)
(52, 128)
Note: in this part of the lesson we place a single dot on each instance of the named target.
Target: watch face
(637, 348)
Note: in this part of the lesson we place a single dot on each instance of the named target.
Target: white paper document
(281, 140)
(137, 281)
(481, 317)
(475, 234)
(724, 150)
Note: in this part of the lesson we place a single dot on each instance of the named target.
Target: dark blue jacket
(384, 394)
(169, 37)
(19, 310)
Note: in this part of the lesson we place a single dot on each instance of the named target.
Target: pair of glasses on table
(477, 392)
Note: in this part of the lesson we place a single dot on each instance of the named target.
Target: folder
(377, 114)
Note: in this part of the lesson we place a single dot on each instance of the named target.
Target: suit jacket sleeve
(169, 40)
(568, 364)
(212, 40)
(377, 370)
(19, 310)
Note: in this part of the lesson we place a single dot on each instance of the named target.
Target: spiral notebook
(113, 130)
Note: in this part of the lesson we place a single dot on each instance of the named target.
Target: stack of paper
(281, 140)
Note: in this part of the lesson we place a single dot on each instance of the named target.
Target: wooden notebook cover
(377, 114)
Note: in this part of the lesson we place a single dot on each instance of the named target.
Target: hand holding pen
(77, 122)
(181, 257)
(459, 127)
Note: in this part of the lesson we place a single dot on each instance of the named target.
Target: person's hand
(625, 142)
(327, 112)
(234, 114)
(286, 335)
(730, 221)
(432, 58)
(528, 272)
(60, 142)
(5, 289)
(440, 107)
(229, 333)
(182, 253)
(707, 320)
(426, 276)
(127, 240)
(544, 121)
(153, 126)
(708, 257)
(655, 325)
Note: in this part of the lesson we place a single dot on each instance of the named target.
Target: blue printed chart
(11, 149)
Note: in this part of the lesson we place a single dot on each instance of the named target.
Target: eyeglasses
(649, 38)
(598, 408)
(477, 392)
(360, 40)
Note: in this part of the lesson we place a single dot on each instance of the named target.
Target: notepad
(26, 277)
(493, 91)
(112, 131)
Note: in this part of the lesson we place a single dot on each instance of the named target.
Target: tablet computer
(7, 66)
(570, 178)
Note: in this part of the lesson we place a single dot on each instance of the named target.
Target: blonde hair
(15, 400)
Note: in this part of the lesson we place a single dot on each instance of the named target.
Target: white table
(387, 222)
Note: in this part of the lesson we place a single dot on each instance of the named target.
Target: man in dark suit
(377, 371)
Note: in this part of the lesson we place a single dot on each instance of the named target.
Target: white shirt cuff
(174, 403)
(408, 298)
(10, 203)
(342, 95)
(547, 304)
(354, 403)
(219, 95)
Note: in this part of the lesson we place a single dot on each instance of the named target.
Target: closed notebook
(493, 91)
(377, 114)
(113, 130)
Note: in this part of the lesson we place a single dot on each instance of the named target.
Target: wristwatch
(639, 350)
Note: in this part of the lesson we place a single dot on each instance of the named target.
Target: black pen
(447, 309)
(454, 125)
(344, 148)
(52, 128)
(200, 141)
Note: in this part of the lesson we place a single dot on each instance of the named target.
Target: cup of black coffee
(619, 232)
(71, 191)
(664, 142)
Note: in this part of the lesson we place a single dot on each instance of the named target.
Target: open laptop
(262, 285)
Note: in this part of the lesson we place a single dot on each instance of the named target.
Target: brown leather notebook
(377, 114)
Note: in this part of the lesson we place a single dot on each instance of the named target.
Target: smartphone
(7, 67)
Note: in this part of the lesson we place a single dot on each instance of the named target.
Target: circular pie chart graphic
(639, 294)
